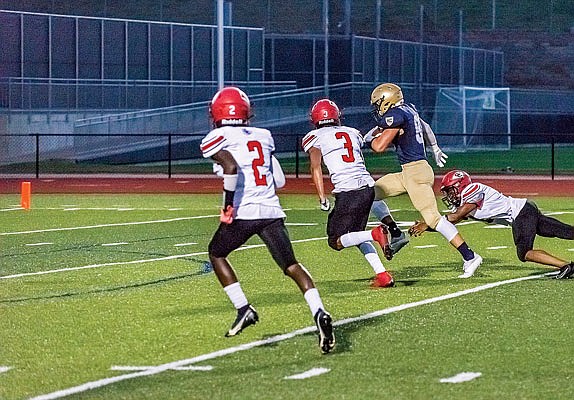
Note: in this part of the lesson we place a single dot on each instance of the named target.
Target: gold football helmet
(385, 96)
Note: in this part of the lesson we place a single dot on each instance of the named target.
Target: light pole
(378, 44)
(220, 49)
(493, 14)
(326, 55)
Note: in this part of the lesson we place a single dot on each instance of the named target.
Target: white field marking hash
(308, 374)
(426, 246)
(102, 209)
(74, 228)
(16, 208)
(184, 244)
(300, 224)
(273, 339)
(570, 249)
(143, 368)
(4, 369)
(399, 223)
(462, 377)
(559, 212)
(147, 260)
(467, 223)
(115, 244)
(497, 247)
(38, 244)
(496, 227)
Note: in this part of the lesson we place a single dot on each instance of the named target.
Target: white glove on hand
(325, 204)
(439, 156)
(372, 134)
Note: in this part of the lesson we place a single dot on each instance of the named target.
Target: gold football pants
(417, 180)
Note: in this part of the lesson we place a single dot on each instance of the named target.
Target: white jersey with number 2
(492, 206)
(341, 150)
(251, 147)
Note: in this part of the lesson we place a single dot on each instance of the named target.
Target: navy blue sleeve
(393, 118)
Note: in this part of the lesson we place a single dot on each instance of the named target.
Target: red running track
(518, 186)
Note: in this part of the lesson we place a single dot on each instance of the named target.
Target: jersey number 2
(349, 157)
(253, 145)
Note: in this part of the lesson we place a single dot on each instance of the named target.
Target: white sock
(446, 228)
(313, 300)
(236, 295)
(356, 238)
(370, 253)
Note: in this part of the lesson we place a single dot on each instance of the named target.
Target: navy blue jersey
(410, 143)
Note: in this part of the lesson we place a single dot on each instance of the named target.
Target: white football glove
(372, 134)
(439, 156)
(325, 204)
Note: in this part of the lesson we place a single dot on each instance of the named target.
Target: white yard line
(143, 368)
(4, 369)
(273, 339)
(309, 374)
(74, 228)
(146, 260)
(462, 377)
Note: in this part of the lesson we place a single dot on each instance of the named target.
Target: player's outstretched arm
(316, 159)
(278, 174)
(461, 213)
(430, 140)
(229, 165)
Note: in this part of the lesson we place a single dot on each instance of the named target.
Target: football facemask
(451, 196)
(385, 96)
(452, 184)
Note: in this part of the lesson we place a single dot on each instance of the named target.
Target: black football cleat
(566, 271)
(244, 318)
(398, 243)
(325, 329)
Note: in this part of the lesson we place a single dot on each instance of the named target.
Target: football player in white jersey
(478, 201)
(399, 124)
(251, 207)
(339, 147)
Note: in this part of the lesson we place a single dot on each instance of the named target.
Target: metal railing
(171, 154)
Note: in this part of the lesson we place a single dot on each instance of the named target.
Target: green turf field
(93, 288)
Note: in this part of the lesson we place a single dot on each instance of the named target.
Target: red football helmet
(230, 106)
(325, 112)
(452, 185)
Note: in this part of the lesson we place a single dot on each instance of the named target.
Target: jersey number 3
(349, 157)
(253, 145)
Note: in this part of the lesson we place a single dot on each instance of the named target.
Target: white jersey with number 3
(251, 147)
(341, 150)
(492, 206)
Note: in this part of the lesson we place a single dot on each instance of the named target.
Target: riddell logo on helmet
(232, 121)
(326, 121)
